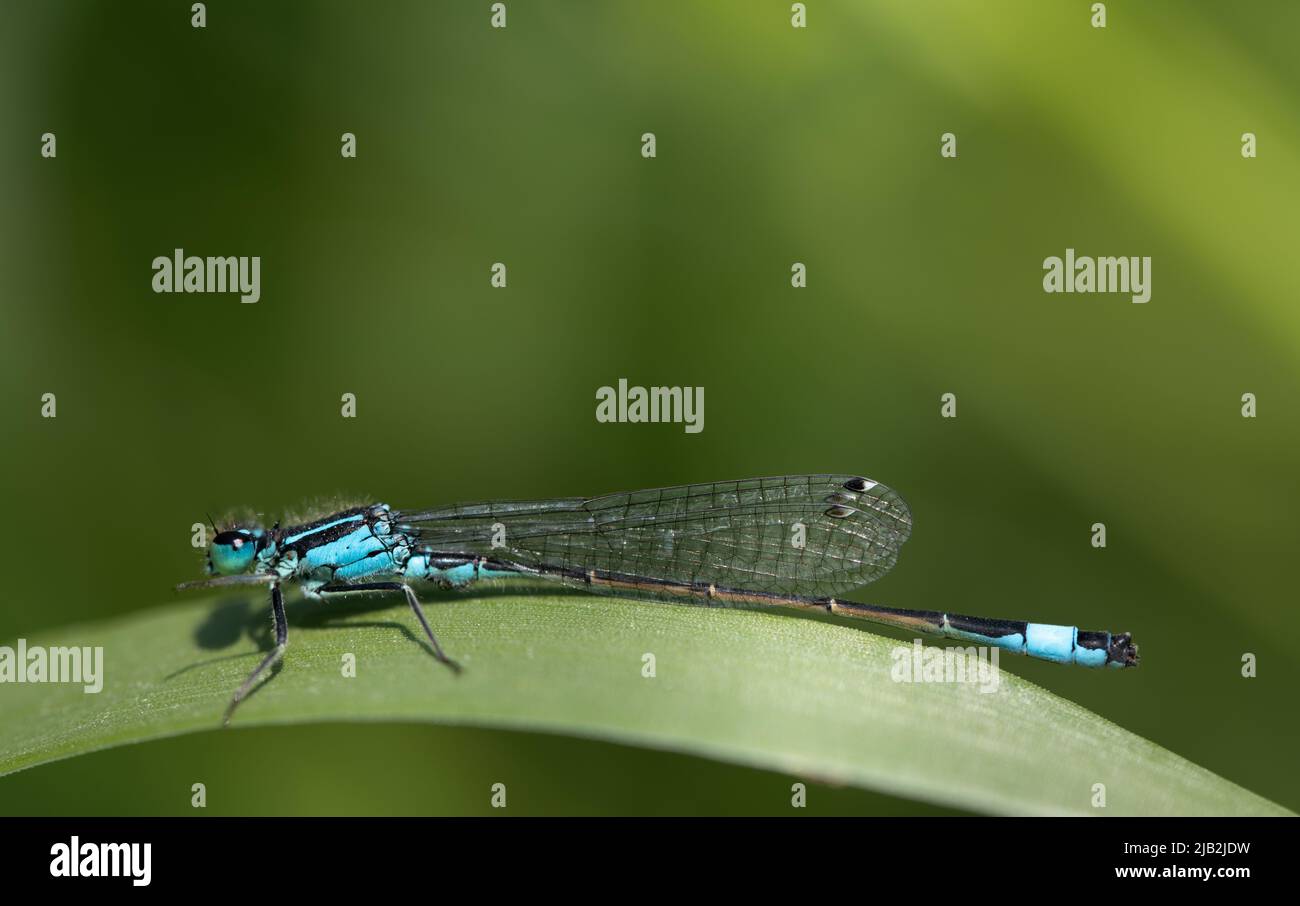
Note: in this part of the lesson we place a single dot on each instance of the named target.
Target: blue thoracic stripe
(323, 527)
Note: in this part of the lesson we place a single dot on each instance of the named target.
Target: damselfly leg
(410, 599)
(281, 640)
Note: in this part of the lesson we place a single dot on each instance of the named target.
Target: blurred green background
(775, 145)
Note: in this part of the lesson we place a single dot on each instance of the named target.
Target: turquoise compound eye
(232, 553)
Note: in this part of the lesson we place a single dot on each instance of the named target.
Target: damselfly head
(232, 552)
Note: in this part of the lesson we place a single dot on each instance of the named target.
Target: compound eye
(232, 552)
(233, 540)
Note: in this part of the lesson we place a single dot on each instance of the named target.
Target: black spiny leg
(281, 640)
(410, 599)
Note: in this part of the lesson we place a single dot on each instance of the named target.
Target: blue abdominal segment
(1050, 642)
(1047, 641)
(1094, 657)
(433, 569)
(452, 571)
(1012, 641)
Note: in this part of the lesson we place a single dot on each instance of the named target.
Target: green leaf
(809, 697)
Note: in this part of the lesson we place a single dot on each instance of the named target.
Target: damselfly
(794, 541)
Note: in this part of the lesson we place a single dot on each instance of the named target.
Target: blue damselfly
(793, 541)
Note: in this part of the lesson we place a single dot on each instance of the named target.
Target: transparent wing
(815, 535)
